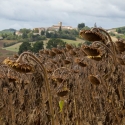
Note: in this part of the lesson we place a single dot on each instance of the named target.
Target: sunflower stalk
(46, 80)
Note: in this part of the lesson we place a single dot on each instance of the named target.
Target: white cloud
(70, 12)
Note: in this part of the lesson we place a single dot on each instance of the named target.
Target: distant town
(53, 28)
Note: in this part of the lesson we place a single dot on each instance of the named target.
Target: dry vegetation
(70, 86)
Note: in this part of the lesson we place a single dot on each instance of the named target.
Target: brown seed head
(20, 67)
(120, 45)
(63, 92)
(90, 51)
(58, 79)
(72, 52)
(1, 76)
(66, 61)
(15, 56)
(57, 51)
(96, 58)
(94, 80)
(11, 78)
(80, 63)
(92, 35)
(51, 53)
(46, 52)
(121, 61)
(41, 52)
(68, 47)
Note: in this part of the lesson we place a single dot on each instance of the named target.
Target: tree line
(35, 47)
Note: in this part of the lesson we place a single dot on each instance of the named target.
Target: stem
(114, 58)
(110, 39)
(46, 81)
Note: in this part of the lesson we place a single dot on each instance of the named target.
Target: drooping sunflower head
(72, 52)
(94, 80)
(2, 76)
(52, 54)
(68, 47)
(12, 78)
(20, 67)
(92, 35)
(79, 62)
(90, 51)
(120, 45)
(58, 79)
(67, 61)
(63, 92)
(57, 51)
(120, 61)
(96, 58)
(46, 52)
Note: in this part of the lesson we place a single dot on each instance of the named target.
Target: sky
(19, 14)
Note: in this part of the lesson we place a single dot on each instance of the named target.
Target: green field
(15, 47)
(74, 42)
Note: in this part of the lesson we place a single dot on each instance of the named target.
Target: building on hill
(56, 27)
(37, 31)
(18, 33)
(1, 38)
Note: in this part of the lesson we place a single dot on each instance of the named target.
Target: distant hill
(7, 31)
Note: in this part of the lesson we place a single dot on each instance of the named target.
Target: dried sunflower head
(12, 78)
(68, 47)
(51, 53)
(75, 71)
(90, 51)
(94, 80)
(80, 63)
(120, 45)
(96, 58)
(63, 92)
(2, 76)
(46, 51)
(92, 35)
(58, 79)
(57, 51)
(53, 61)
(66, 61)
(72, 52)
(15, 56)
(20, 67)
(49, 70)
(120, 61)
(41, 52)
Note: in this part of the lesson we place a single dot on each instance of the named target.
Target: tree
(53, 43)
(42, 32)
(14, 33)
(24, 35)
(24, 30)
(25, 46)
(86, 28)
(37, 46)
(81, 25)
(60, 28)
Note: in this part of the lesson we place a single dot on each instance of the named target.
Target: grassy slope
(15, 47)
(76, 42)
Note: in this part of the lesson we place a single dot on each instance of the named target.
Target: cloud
(71, 12)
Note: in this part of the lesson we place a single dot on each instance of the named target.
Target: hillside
(15, 47)
(7, 31)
